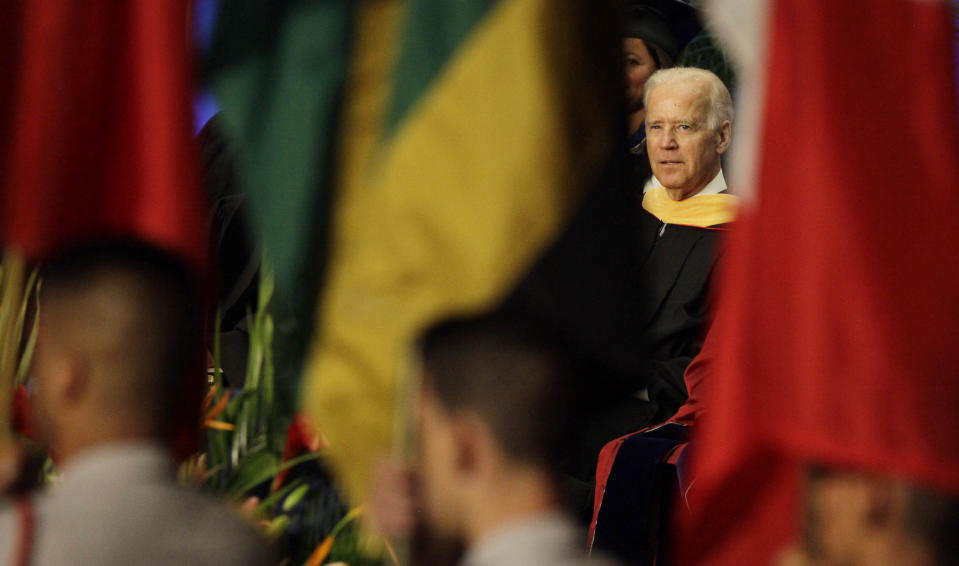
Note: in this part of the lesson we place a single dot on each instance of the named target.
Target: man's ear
(885, 504)
(723, 136)
(471, 442)
(71, 380)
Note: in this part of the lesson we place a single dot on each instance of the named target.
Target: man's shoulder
(8, 530)
(146, 523)
(208, 530)
(548, 540)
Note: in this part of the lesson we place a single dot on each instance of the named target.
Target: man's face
(683, 151)
(837, 517)
(438, 465)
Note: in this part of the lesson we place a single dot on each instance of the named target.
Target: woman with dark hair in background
(656, 32)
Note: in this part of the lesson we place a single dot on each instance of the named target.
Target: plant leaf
(277, 526)
(255, 469)
(268, 502)
(295, 497)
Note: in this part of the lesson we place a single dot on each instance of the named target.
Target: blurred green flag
(455, 137)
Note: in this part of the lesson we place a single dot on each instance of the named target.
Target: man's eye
(685, 127)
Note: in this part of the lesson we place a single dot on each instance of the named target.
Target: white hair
(719, 107)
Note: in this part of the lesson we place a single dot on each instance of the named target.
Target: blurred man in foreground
(495, 406)
(861, 519)
(119, 326)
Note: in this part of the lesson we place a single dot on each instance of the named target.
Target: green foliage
(22, 346)
(295, 497)
(26, 356)
(244, 461)
(249, 455)
(26, 314)
(348, 548)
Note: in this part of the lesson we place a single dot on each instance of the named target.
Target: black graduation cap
(670, 24)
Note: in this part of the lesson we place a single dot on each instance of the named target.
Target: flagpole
(404, 438)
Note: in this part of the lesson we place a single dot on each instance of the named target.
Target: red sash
(28, 522)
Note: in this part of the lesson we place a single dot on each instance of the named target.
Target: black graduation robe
(631, 305)
(676, 265)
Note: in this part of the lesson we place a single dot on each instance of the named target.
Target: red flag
(97, 138)
(839, 316)
(95, 134)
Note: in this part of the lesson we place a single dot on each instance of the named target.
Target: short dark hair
(174, 306)
(511, 373)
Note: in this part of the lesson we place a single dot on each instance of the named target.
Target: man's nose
(668, 140)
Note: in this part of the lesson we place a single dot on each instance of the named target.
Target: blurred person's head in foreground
(857, 518)
(495, 407)
(119, 336)
(689, 117)
(655, 33)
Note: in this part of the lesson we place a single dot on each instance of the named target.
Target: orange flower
(211, 413)
(321, 552)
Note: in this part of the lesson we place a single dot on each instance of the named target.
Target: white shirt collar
(714, 187)
(118, 462)
(549, 538)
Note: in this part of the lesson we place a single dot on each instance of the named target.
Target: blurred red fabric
(839, 303)
(697, 377)
(96, 133)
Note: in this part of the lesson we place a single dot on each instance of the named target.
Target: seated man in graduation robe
(684, 209)
(627, 283)
(687, 131)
